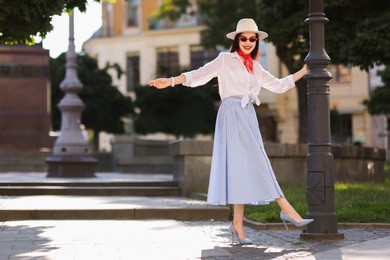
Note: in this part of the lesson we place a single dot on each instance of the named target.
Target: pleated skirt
(240, 169)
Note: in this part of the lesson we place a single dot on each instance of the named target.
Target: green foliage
(335, 122)
(105, 104)
(356, 32)
(379, 102)
(170, 8)
(21, 20)
(387, 169)
(385, 75)
(179, 110)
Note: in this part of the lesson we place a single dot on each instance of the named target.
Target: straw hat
(247, 25)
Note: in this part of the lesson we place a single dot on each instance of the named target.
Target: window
(26, 71)
(167, 61)
(341, 73)
(5, 70)
(132, 72)
(341, 128)
(199, 56)
(133, 13)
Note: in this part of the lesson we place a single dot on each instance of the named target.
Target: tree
(21, 20)
(379, 102)
(105, 104)
(354, 35)
(178, 111)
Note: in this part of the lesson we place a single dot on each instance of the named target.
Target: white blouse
(235, 81)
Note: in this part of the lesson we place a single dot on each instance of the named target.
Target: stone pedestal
(71, 166)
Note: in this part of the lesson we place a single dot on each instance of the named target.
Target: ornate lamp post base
(68, 166)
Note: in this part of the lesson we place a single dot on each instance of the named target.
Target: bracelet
(173, 81)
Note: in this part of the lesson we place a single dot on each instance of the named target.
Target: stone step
(107, 208)
(96, 184)
(116, 214)
(90, 190)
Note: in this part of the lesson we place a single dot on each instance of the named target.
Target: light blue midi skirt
(240, 170)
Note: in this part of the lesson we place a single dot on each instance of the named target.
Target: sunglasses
(244, 39)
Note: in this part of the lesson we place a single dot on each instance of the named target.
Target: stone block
(75, 166)
(25, 98)
(191, 147)
(289, 162)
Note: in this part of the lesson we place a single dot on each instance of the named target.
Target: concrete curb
(280, 226)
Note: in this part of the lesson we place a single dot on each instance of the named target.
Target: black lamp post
(320, 161)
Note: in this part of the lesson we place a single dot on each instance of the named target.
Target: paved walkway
(169, 239)
(162, 239)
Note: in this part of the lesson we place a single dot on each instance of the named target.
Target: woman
(240, 171)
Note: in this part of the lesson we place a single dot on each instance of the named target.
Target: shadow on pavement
(20, 240)
(252, 252)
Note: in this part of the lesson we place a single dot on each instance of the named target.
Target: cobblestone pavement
(162, 239)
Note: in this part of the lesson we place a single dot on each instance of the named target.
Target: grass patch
(387, 167)
(355, 203)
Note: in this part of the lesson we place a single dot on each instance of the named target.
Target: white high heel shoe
(245, 241)
(285, 218)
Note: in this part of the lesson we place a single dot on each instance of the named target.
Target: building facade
(141, 46)
(25, 98)
(380, 124)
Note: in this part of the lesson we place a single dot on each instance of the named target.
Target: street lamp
(71, 153)
(320, 161)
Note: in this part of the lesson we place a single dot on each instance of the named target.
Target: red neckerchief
(248, 61)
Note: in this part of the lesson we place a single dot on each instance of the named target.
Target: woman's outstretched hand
(160, 82)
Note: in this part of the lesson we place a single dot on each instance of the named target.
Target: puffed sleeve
(273, 84)
(205, 73)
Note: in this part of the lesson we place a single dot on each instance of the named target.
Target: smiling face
(247, 42)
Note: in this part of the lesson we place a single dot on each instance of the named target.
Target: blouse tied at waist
(250, 97)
